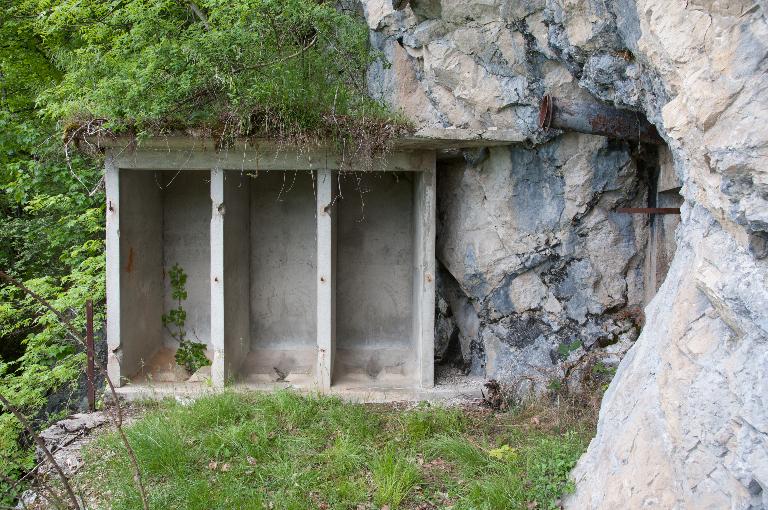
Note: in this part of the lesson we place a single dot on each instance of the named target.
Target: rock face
(530, 237)
(65, 438)
(536, 262)
(534, 256)
(684, 423)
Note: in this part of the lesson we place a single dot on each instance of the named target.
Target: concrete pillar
(237, 281)
(218, 371)
(134, 271)
(424, 273)
(326, 279)
(112, 185)
(661, 234)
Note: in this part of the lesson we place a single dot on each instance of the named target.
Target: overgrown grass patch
(286, 451)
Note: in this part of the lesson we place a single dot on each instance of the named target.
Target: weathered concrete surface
(375, 260)
(424, 271)
(282, 260)
(186, 221)
(283, 295)
(375, 268)
(140, 275)
(164, 219)
(683, 424)
(237, 267)
(325, 279)
(216, 277)
(250, 238)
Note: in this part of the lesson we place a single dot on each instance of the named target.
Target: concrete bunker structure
(299, 273)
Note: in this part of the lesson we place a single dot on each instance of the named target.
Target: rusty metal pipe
(649, 210)
(596, 119)
(91, 354)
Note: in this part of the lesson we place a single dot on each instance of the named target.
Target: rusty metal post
(649, 210)
(596, 119)
(91, 352)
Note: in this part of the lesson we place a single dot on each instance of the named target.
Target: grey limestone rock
(531, 239)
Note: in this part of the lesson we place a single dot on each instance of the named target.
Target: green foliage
(51, 238)
(426, 421)
(555, 385)
(286, 451)
(549, 463)
(457, 450)
(503, 452)
(603, 374)
(532, 468)
(190, 355)
(176, 318)
(565, 349)
(263, 67)
(49, 360)
(600, 369)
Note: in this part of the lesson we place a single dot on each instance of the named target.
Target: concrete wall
(424, 273)
(186, 241)
(250, 242)
(283, 270)
(375, 266)
(661, 236)
(141, 270)
(237, 335)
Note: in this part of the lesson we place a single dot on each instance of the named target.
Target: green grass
(394, 477)
(286, 451)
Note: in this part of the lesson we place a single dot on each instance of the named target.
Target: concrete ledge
(176, 152)
(248, 159)
(454, 138)
(424, 138)
(466, 391)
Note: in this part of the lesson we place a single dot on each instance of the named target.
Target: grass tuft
(394, 477)
(459, 451)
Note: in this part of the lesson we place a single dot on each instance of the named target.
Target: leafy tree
(51, 235)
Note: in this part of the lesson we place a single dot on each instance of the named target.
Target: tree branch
(41, 444)
(118, 419)
(200, 14)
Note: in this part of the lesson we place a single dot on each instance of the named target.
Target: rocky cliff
(535, 256)
(536, 264)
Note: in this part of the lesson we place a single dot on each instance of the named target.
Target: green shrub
(246, 67)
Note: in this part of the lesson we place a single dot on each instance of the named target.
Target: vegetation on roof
(285, 69)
